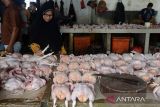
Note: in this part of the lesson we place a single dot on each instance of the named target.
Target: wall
(84, 15)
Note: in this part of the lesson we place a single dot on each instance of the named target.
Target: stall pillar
(146, 48)
(71, 43)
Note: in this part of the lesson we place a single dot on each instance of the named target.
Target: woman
(45, 30)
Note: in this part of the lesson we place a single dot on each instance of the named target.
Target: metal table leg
(108, 43)
(146, 47)
(71, 43)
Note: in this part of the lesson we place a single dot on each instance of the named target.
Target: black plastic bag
(61, 7)
(72, 13)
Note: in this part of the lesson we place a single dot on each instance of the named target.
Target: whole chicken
(127, 57)
(138, 56)
(60, 78)
(155, 63)
(17, 55)
(60, 92)
(89, 78)
(13, 85)
(105, 70)
(4, 75)
(137, 64)
(34, 83)
(115, 57)
(83, 92)
(64, 59)
(125, 69)
(28, 65)
(46, 70)
(62, 67)
(73, 66)
(75, 76)
(13, 64)
(108, 62)
(119, 63)
(3, 64)
(85, 66)
(157, 55)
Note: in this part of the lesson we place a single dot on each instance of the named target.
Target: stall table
(107, 35)
(33, 98)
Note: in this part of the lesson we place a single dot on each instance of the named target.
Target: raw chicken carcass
(73, 66)
(155, 63)
(85, 66)
(64, 59)
(13, 64)
(26, 56)
(17, 55)
(157, 55)
(127, 57)
(153, 70)
(105, 70)
(3, 64)
(115, 57)
(96, 63)
(34, 83)
(60, 92)
(107, 62)
(137, 64)
(83, 92)
(149, 57)
(89, 78)
(119, 63)
(46, 70)
(60, 78)
(138, 56)
(28, 65)
(144, 75)
(75, 76)
(4, 75)
(13, 84)
(62, 67)
(125, 69)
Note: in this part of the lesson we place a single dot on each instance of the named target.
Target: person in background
(148, 14)
(25, 15)
(33, 12)
(11, 27)
(45, 30)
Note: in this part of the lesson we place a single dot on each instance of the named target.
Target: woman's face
(47, 16)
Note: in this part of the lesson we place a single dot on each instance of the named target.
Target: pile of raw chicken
(105, 26)
(74, 77)
(19, 73)
(69, 83)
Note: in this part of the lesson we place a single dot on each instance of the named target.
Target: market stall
(85, 80)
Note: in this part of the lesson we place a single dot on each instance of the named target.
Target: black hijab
(45, 33)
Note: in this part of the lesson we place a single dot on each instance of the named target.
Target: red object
(82, 4)
(138, 49)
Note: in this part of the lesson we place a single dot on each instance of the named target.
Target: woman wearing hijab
(45, 30)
